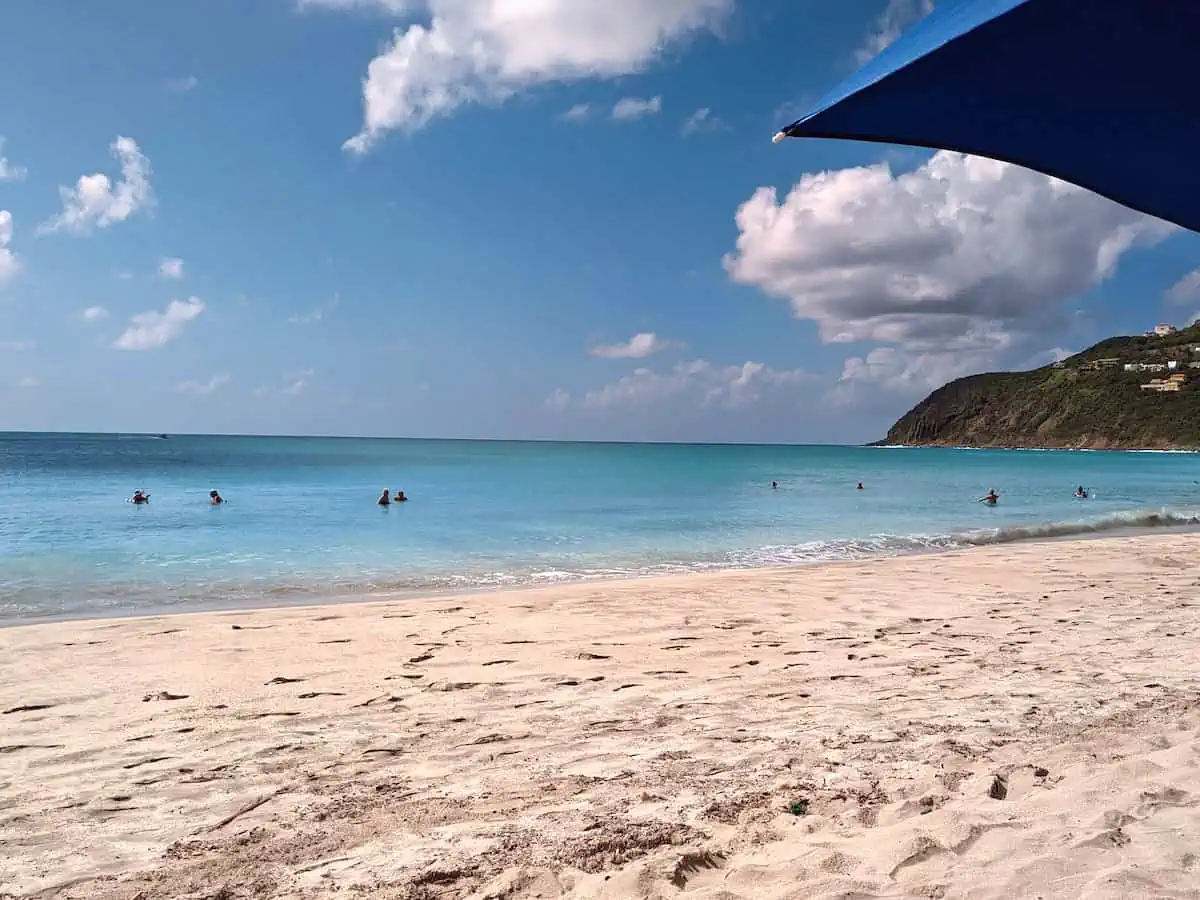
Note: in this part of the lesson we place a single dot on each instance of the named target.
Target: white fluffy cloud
(629, 108)
(641, 345)
(152, 329)
(94, 314)
(10, 171)
(485, 51)
(97, 201)
(959, 247)
(28, 382)
(578, 113)
(9, 264)
(171, 269)
(203, 387)
(1186, 288)
(904, 373)
(895, 18)
(697, 381)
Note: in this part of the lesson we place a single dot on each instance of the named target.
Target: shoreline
(969, 542)
(1074, 448)
(1016, 720)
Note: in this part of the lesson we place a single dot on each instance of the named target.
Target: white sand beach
(1010, 722)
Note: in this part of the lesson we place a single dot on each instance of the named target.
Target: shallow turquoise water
(301, 522)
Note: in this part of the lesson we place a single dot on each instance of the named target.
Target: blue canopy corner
(1100, 93)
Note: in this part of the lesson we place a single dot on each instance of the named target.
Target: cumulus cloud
(580, 112)
(891, 23)
(472, 52)
(629, 108)
(203, 387)
(696, 381)
(94, 314)
(28, 382)
(97, 201)
(171, 269)
(152, 329)
(960, 247)
(641, 345)
(10, 171)
(1186, 289)
(901, 372)
(9, 264)
(700, 122)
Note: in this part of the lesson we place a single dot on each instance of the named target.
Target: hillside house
(1145, 367)
(1170, 385)
(1162, 330)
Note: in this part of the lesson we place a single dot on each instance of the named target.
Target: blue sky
(492, 218)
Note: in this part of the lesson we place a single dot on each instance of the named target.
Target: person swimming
(139, 497)
(400, 497)
(1081, 493)
(860, 487)
(990, 498)
(385, 499)
(215, 499)
(774, 485)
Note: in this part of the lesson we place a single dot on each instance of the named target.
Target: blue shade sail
(1104, 94)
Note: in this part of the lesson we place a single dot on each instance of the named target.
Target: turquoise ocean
(301, 524)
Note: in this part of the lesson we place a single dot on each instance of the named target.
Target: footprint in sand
(163, 695)
(283, 679)
(145, 762)
(29, 707)
(446, 686)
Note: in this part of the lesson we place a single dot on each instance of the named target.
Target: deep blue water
(301, 522)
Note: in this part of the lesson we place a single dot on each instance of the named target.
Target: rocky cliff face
(1077, 405)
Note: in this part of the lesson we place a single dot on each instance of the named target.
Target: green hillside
(1077, 403)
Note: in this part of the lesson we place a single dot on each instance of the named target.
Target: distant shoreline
(1082, 448)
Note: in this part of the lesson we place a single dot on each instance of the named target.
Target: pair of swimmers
(775, 486)
(387, 498)
(140, 498)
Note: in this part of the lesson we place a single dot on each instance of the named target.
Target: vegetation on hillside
(1070, 404)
